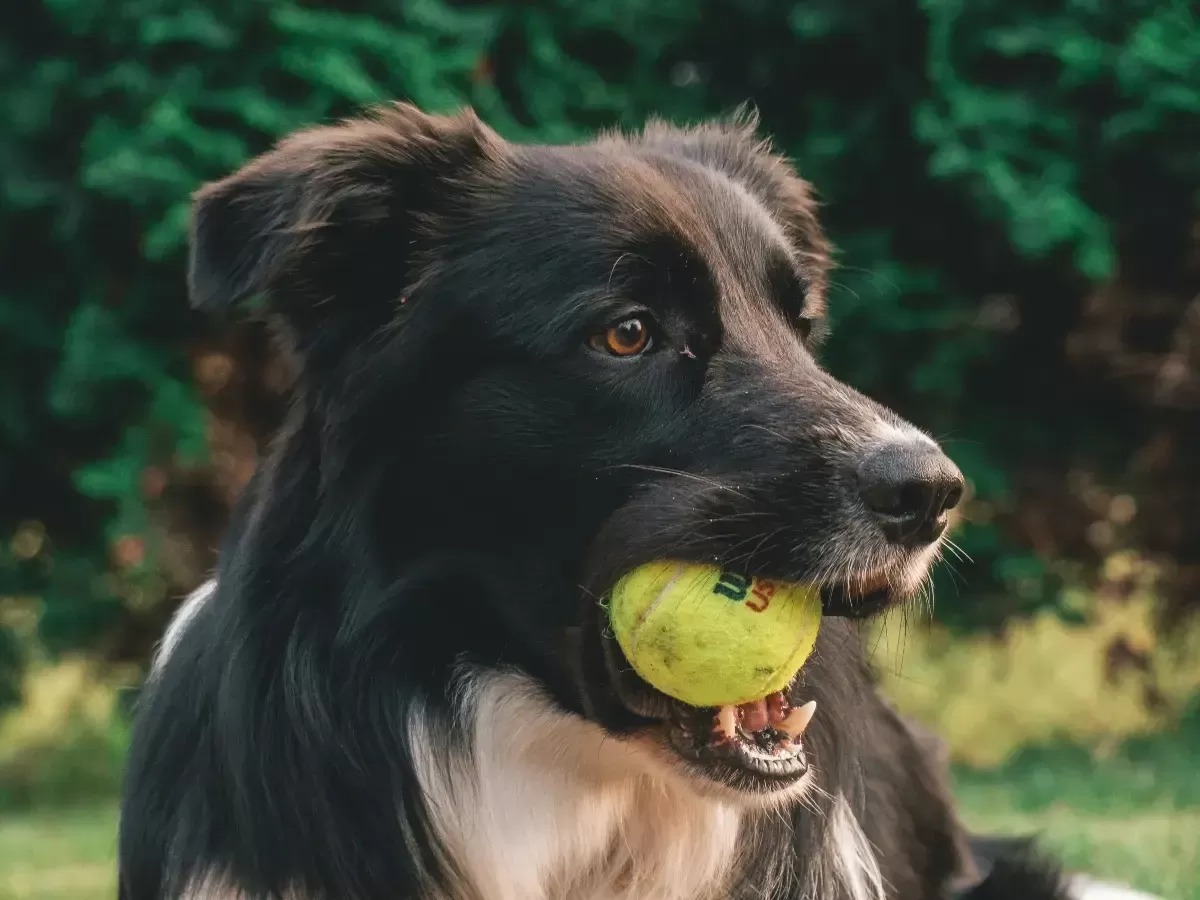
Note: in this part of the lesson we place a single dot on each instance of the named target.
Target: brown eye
(627, 338)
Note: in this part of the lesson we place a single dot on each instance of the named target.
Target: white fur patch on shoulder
(183, 617)
(213, 885)
(1082, 887)
(852, 854)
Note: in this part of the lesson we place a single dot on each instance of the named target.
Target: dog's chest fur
(546, 807)
(539, 805)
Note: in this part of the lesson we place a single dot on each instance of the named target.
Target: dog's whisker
(873, 274)
(613, 270)
(679, 473)
(957, 550)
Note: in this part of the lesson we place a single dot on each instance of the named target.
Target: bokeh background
(1014, 188)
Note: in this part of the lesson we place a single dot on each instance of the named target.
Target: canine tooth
(727, 721)
(797, 720)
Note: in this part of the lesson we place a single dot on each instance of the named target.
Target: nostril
(954, 495)
(916, 497)
(885, 497)
(909, 486)
(897, 498)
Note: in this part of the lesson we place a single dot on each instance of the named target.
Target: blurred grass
(66, 743)
(1157, 851)
(1132, 817)
(1049, 678)
(58, 855)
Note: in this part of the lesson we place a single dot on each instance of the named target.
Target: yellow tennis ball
(710, 637)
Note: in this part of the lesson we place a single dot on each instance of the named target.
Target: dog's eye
(629, 337)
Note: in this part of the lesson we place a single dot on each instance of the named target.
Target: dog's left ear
(330, 224)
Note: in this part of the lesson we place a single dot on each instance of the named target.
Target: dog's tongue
(771, 710)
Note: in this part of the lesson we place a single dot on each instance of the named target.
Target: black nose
(909, 486)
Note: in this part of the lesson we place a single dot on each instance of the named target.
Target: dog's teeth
(727, 721)
(777, 708)
(797, 720)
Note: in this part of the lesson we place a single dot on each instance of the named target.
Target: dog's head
(534, 368)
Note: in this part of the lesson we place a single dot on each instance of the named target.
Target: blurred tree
(1013, 186)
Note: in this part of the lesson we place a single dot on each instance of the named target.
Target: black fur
(462, 474)
(1015, 869)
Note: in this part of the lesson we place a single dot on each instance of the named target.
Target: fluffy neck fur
(530, 803)
(545, 805)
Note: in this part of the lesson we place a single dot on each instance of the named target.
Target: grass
(1157, 851)
(1112, 820)
(1133, 817)
(58, 856)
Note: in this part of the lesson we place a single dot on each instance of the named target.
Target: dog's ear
(732, 146)
(327, 225)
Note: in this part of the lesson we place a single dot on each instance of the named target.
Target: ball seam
(645, 613)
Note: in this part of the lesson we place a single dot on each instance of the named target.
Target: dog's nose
(909, 485)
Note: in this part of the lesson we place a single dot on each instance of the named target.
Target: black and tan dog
(523, 370)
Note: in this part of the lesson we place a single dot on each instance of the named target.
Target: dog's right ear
(731, 145)
(327, 224)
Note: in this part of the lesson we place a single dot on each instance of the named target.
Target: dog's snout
(909, 486)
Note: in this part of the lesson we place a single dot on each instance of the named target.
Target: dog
(521, 371)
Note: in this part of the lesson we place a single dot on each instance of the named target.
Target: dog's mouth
(759, 745)
(858, 600)
(761, 739)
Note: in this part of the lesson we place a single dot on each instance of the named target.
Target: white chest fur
(549, 807)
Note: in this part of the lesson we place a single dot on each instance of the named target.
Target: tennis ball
(709, 637)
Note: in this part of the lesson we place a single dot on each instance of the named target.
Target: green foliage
(1069, 97)
(982, 164)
